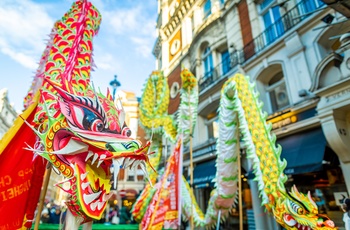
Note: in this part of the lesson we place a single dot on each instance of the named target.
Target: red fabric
(35, 190)
(165, 205)
(17, 172)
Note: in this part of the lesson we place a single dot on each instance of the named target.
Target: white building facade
(297, 53)
(7, 113)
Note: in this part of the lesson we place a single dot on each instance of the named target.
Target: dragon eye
(126, 132)
(296, 208)
(97, 126)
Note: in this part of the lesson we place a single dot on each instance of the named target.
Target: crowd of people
(54, 214)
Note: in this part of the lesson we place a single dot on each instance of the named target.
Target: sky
(123, 46)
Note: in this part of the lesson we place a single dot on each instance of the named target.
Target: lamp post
(115, 84)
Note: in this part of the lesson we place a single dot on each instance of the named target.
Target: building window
(273, 24)
(207, 9)
(225, 61)
(193, 25)
(140, 174)
(208, 65)
(307, 6)
(131, 176)
(265, 3)
(213, 125)
(277, 92)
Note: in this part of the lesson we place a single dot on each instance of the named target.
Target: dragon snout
(110, 147)
(123, 147)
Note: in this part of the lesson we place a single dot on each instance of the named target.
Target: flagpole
(191, 161)
(218, 222)
(179, 181)
(240, 191)
(42, 195)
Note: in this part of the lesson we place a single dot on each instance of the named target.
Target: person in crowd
(45, 215)
(346, 216)
(125, 216)
(114, 215)
(55, 215)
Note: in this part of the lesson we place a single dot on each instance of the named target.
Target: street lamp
(115, 84)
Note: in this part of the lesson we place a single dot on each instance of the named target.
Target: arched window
(277, 92)
(208, 65)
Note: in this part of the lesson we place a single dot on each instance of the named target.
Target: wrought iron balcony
(289, 20)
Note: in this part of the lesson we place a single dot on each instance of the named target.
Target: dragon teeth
(90, 153)
(85, 185)
(102, 157)
(143, 168)
(100, 205)
(93, 206)
(116, 166)
(95, 158)
(83, 176)
(88, 198)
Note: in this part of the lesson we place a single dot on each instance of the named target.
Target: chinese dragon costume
(79, 130)
(84, 137)
(241, 119)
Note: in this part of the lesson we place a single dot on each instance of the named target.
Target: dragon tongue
(116, 167)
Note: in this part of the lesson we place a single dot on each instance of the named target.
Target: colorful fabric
(21, 175)
(164, 209)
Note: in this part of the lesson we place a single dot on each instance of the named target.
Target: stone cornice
(176, 19)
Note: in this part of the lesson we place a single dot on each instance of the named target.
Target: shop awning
(304, 151)
(204, 173)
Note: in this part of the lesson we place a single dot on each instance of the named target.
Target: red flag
(164, 208)
(18, 174)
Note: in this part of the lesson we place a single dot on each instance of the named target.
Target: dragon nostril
(110, 148)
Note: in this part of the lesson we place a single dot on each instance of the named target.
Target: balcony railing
(289, 20)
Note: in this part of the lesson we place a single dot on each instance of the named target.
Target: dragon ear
(65, 109)
(109, 95)
(310, 199)
(295, 191)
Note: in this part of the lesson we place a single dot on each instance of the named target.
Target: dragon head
(81, 132)
(85, 138)
(298, 211)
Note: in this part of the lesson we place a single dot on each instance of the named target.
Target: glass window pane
(225, 60)
(265, 3)
(279, 98)
(207, 8)
(208, 64)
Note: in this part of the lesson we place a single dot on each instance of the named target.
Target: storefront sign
(290, 117)
(284, 122)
